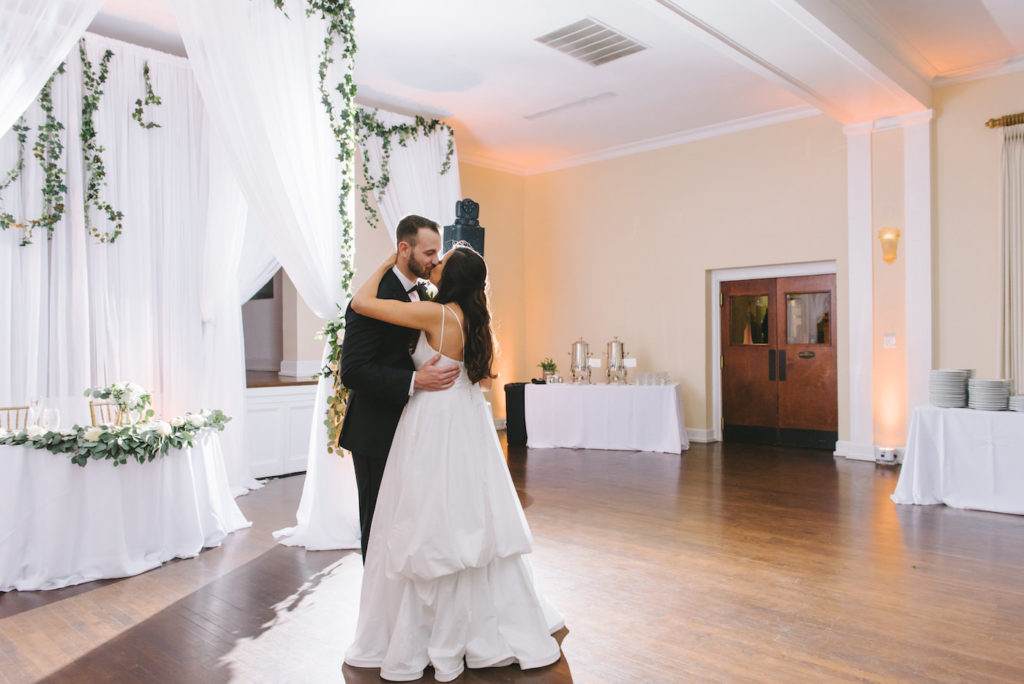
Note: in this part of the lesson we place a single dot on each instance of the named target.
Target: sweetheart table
(61, 524)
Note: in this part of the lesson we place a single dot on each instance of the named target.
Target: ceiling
(709, 67)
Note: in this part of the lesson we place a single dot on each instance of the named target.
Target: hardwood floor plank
(729, 563)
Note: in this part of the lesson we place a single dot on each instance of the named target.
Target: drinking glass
(51, 419)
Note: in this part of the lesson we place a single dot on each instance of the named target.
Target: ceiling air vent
(591, 41)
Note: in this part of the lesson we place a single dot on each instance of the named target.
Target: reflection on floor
(730, 563)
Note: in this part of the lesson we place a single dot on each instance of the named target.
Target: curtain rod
(1008, 120)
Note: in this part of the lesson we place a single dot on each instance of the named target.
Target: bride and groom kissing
(446, 581)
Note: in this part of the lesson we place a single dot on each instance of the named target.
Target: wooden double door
(779, 361)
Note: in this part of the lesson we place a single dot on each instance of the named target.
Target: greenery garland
(368, 125)
(48, 150)
(95, 171)
(141, 442)
(351, 125)
(150, 99)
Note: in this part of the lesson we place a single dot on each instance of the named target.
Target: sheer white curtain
(416, 186)
(257, 70)
(236, 262)
(160, 306)
(34, 37)
(1012, 348)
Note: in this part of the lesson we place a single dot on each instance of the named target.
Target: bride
(446, 580)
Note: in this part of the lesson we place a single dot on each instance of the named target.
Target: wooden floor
(730, 563)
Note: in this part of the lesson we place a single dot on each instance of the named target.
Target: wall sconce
(890, 238)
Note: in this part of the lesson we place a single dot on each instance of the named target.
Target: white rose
(177, 422)
(92, 434)
(205, 413)
(3, 431)
(34, 431)
(163, 428)
(68, 432)
(197, 420)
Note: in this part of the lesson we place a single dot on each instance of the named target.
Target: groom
(377, 367)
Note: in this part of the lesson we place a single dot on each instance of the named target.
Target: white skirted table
(626, 417)
(61, 524)
(965, 459)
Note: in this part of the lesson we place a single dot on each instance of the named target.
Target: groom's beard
(419, 270)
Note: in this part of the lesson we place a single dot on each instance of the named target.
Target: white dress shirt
(414, 296)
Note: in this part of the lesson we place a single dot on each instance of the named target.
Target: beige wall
(966, 256)
(624, 247)
(299, 326)
(502, 202)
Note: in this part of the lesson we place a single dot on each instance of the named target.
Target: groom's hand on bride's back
(432, 377)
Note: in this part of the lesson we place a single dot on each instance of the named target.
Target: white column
(917, 217)
(859, 294)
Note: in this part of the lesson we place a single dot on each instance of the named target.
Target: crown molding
(976, 73)
(491, 163)
(680, 137)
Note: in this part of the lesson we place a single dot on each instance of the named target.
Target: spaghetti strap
(440, 346)
(461, 334)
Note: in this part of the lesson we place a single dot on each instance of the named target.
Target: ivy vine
(351, 125)
(48, 150)
(92, 153)
(367, 126)
(150, 99)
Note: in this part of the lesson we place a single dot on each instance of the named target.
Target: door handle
(782, 365)
(771, 365)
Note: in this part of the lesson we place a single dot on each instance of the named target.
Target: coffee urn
(579, 362)
(616, 362)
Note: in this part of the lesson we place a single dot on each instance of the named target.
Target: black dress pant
(369, 472)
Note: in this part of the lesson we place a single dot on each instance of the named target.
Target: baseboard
(499, 423)
(299, 369)
(263, 365)
(700, 435)
(855, 451)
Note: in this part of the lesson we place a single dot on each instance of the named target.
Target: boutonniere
(427, 291)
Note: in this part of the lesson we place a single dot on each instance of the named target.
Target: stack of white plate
(948, 387)
(988, 395)
(1017, 402)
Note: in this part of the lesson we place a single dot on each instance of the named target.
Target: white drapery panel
(257, 70)
(1012, 348)
(417, 186)
(34, 37)
(145, 307)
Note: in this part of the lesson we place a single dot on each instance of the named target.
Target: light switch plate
(889, 340)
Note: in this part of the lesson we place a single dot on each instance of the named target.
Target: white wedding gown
(446, 577)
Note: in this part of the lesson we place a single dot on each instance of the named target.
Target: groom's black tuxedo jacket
(377, 368)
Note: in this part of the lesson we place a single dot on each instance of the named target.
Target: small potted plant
(549, 367)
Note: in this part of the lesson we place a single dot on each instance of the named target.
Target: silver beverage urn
(579, 362)
(616, 362)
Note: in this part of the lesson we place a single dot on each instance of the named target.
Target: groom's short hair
(410, 226)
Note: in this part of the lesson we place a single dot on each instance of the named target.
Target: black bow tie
(414, 288)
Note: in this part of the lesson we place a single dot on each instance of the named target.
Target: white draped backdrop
(240, 177)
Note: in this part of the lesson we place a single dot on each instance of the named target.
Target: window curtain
(416, 185)
(257, 70)
(144, 308)
(34, 37)
(1012, 167)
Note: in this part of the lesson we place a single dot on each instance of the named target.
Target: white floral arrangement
(127, 396)
(141, 441)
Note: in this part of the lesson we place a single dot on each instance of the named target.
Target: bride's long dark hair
(464, 282)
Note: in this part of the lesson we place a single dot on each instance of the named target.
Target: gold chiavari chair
(103, 413)
(14, 418)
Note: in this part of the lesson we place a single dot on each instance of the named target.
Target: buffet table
(964, 459)
(61, 524)
(627, 417)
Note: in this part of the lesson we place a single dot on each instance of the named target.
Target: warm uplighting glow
(890, 238)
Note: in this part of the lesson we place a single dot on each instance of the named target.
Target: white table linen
(965, 459)
(61, 524)
(624, 417)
